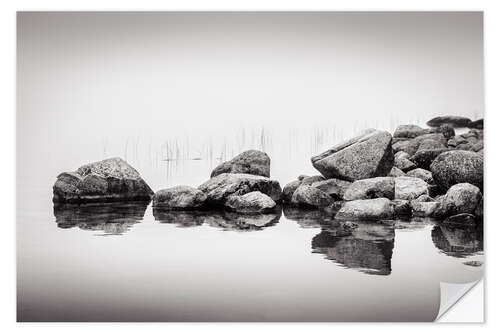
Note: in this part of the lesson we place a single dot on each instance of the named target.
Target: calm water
(128, 262)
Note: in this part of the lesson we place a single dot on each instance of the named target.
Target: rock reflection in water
(457, 241)
(219, 219)
(307, 218)
(112, 218)
(368, 249)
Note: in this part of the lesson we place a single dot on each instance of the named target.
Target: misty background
(156, 86)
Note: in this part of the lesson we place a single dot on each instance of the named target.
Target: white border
(7, 132)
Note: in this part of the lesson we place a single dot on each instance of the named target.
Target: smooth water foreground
(128, 262)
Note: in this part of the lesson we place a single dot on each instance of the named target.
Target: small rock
(424, 208)
(409, 188)
(179, 198)
(378, 187)
(312, 179)
(335, 188)
(308, 196)
(395, 172)
(409, 131)
(401, 207)
(371, 209)
(425, 175)
(253, 202)
(289, 189)
(403, 163)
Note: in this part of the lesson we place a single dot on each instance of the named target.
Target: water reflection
(219, 219)
(308, 218)
(112, 218)
(368, 249)
(458, 242)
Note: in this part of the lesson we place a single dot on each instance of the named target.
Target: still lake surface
(128, 262)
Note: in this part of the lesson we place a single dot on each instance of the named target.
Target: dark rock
(378, 187)
(458, 166)
(455, 121)
(412, 146)
(409, 131)
(308, 196)
(462, 219)
(183, 219)
(447, 131)
(108, 180)
(365, 156)
(308, 218)
(458, 241)
(252, 162)
(370, 209)
(234, 221)
(409, 188)
(253, 202)
(221, 187)
(479, 209)
(424, 158)
(335, 188)
(401, 207)
(289, 189)
(179, 198)
(477, 124)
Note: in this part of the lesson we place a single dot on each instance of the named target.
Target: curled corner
(451, 293)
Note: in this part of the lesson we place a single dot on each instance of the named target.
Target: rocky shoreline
(376, 175)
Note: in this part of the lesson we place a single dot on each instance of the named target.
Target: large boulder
(378, 187)
(335, 188)
(179, 198)
(252, 162)
(409, 188)
(108, 180)
(370, 209)
(455, 121)
(479, 124)
(221, 187)
(461, 198)
(364, 156)
(458, 166)
(310, 197)
(253, 202)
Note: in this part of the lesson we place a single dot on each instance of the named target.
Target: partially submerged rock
(179, 198)
(455, 121)
(462, 219)
(364, 156)
(289, 189)
(311, 197)
(458, 166)
(221, 187)
(378, 187)
(109, 180)
(252, 162)
(461, 198)
(370, 209)
(409, 188)
(253, 202)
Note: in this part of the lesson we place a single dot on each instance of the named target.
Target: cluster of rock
(425, 172)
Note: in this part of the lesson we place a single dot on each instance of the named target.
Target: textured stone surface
(289, 189)
(253, 202)
(108, 180)
(179, 198)
(463, 219)
(220, 187)
(461, 198)
(458, 166)
(455, 121)
(370, 209)
(365, 156)
(409, 131)
(335, 188)
(252, 162)
(308, 196)
(378, 187)
(423, 158)
(395, 172)
(401, 207)
(409, 188)
(423, 174)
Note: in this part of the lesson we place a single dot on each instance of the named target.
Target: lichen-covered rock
(370, 209)
(423, 174)
(409, 188)
(289, 189)
(395, 172)
(364, 156)
(108, 180)
(458, 166)
(253, 202)
(310, 197)
(252, 162)
(461, 198)
(455, 121)
(423, 158)
(335, 188)
(378, 187)
(179, 198)
(220, 187)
